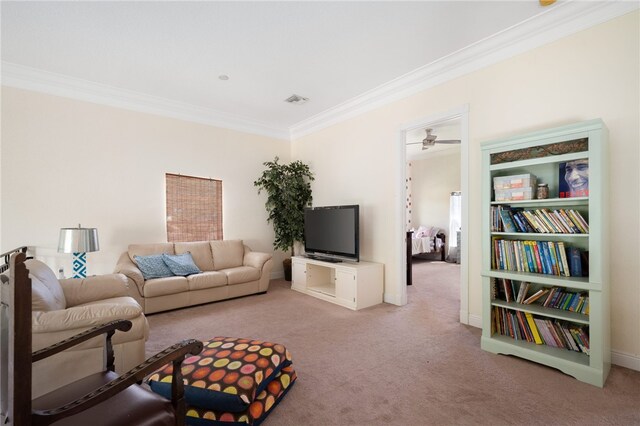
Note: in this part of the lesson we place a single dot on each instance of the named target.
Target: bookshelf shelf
(509, 346)
(548, 202)
(579, 283)
(539, 237)
(541, 310)
(512, 327)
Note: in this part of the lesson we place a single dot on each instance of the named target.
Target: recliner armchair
(100, 399)
(66, 307)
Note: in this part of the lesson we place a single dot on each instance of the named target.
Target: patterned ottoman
(232, 381)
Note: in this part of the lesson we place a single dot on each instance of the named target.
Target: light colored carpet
(409, 365)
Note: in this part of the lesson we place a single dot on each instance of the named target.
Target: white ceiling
(330, 52)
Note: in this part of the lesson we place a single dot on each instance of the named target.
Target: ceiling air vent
(296, 99)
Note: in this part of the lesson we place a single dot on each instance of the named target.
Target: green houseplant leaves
(288, 188)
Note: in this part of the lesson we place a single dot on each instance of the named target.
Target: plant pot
(286, 265)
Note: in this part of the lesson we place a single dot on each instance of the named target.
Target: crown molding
(560, 20)
(28, 78)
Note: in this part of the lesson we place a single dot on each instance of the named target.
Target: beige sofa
(229, 269)
(64, 308)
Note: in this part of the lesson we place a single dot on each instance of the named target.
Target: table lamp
(78, 241)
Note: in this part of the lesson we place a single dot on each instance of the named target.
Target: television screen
(332, 232)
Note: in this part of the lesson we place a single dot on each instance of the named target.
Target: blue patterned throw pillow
(181, 264)
(152, 266)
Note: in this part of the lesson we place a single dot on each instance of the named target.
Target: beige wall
(591, 74)
(433, 179)
(66, 162)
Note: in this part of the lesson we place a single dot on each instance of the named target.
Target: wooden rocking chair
(100, 399)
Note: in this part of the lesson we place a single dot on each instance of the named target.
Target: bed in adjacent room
(428, 240)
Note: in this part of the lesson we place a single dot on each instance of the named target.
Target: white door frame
(461, 113)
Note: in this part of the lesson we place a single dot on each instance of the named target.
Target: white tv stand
(352, 285)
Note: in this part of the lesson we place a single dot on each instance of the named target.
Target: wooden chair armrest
(174, 354)
(108, 328)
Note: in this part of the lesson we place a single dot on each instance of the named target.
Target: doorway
(457, 118)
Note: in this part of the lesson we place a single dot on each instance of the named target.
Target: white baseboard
(475, 320)
(625, 360)
(394, 299)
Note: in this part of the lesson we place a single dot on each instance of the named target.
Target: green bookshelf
(541, 154)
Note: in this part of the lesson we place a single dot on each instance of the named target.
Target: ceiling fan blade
(449, 141)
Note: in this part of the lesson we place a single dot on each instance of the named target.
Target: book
(563, 256)
(557, 223)
(550, 224)
(535, 296)
(534, 247)
(552, 256)
(534, 329)
(522, 292)
(536, 223)
(543, 221)
(524, 221)
(573, 178)
(507, 221)
(580, 220)
(544, 255)
(576, 221)
(569, 337)
(531, 262)
(508, 292)
(544, 333)
(566, 222)
(550, 296)
(522, 226)
(575, 262)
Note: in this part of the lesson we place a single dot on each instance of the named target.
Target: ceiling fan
(431, 140)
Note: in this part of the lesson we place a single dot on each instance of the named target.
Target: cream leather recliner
(63, 308)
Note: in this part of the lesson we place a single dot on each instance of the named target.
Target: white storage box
(516, 181)
(515, 194)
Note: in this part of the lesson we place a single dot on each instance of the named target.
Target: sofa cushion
(200, 251)
(227, 375)
(147, 249)
(47, 293)
(241, 274)
(152, 266)
(181, 264)
(227, 253)
(207, 279)
(164, 286)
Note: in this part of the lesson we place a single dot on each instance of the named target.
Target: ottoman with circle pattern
(232, 381)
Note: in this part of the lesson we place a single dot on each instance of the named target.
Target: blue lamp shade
(78, 241)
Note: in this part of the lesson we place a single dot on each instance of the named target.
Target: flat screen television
(332, 233)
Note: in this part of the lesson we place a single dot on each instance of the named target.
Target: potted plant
(288, 188)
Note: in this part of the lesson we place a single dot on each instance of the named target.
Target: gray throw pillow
(181, 264)
(153, 266)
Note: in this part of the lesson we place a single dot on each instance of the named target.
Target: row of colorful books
(543, 221)
(541, 331)
(559, 298)
(554, 297)
(540, 257)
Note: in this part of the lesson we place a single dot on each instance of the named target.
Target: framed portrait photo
(573, 178)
